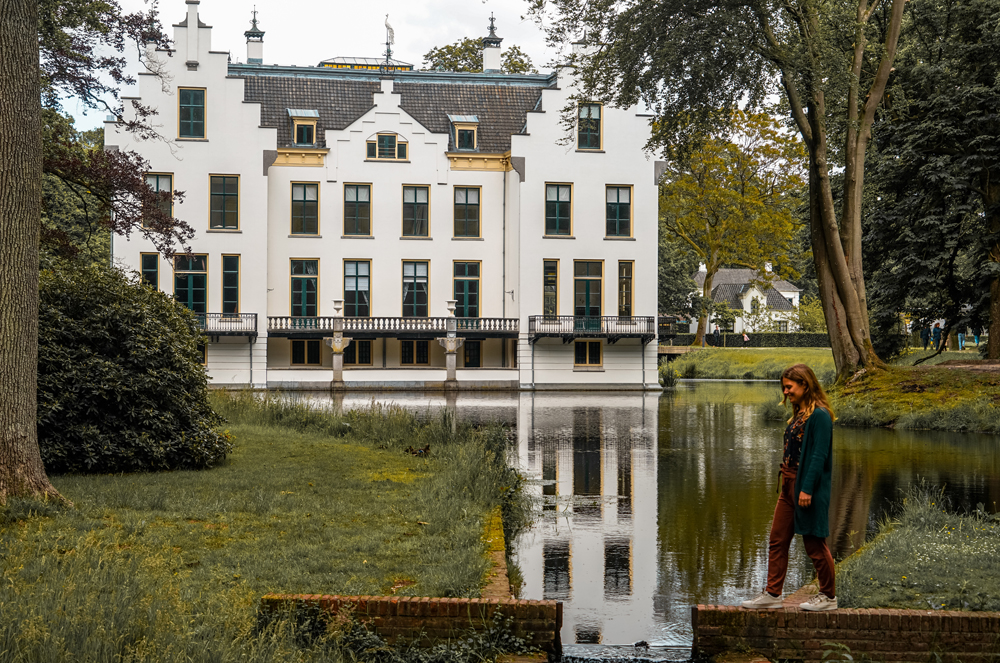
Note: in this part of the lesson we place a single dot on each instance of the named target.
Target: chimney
(192, 24)
(255, 42)
(491, 49)
(767, 267)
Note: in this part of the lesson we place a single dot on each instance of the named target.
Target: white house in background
(361, 197)
(743, 294)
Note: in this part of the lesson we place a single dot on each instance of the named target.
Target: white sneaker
(819, 603)
(764, 602)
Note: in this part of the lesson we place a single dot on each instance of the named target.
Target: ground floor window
(588, 353)
(305, 352)
(782, 325)
(414, 352)
(358, 353)
(203, 353)
(473, 354)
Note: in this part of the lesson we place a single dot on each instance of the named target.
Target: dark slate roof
(729, 275)
(338, 101)
(500, 105)
(502, 109)
(777, 301)
(730, 293)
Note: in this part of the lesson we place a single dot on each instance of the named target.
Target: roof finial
(493, 27)
(254, 33)
(492, 40)
(390, 39)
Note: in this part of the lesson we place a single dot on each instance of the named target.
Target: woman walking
(804, 496)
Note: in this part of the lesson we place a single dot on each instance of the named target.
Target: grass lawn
(926, 558)
(169, 566)
(750, 363)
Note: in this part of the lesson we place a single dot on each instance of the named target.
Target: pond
(651, 503)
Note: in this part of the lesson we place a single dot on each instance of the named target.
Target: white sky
(304, 32)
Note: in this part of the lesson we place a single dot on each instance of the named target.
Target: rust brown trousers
(782, 533)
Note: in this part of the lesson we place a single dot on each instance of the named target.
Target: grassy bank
(926, 558)
(750, 363)
(921, 398)
(169, 567)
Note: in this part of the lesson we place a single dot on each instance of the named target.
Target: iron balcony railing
(611, 327)
(228, 324)
(379, 326)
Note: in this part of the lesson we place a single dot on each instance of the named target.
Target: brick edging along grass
(425, 620)
(879, 634)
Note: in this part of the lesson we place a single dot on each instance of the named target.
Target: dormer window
(387, 147)
(466, 129)
(303, 126)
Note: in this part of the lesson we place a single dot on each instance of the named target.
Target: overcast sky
(304, 32)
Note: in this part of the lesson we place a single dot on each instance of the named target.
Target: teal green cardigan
(815, 475)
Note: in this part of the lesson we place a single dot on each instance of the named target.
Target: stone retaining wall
(428, 620)
(917, 636)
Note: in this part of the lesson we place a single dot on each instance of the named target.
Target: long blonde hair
(813, 397)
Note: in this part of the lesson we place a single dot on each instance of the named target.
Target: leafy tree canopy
(731, 199)
(466, 55)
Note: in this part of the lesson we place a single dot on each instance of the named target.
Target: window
(305, 133)
(357, 289)
(557, 209)
(203, 353)
(625, 289)
(305, 275)
(466, 212)
(387, 147)
(414, 352)
(192, 113)
(467, 289)
(466, 139)
(589, 127)
(358, 353)
(305, 209)
(415, 211)
(305, 352)
(162, 185)
(588, 353)
(587, 288)
(191, 281)
(415, 289)
(755, 306)
(357, 209)
(225, 202)
(473, 352)
(149, 264)
(550, 288)
(230, 285)
(782, 325)
(619, 215)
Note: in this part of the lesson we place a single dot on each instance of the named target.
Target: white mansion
(360, 225)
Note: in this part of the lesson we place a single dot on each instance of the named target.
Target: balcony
(228, 324)
(382, 327)
(572, 327)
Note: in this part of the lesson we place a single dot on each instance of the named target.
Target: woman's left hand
(805, 499)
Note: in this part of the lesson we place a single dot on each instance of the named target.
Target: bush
(762, 340)
(120, 383)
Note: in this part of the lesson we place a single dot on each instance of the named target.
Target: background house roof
(731, 275)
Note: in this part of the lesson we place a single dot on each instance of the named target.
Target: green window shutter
(304, 287)
(357, 288)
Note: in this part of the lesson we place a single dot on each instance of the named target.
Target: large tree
(51, 49)
(933, 227)
(466, 55)
(731, 199)
(686, 59)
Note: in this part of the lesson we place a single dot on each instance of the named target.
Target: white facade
(753, 301)
(297, 235)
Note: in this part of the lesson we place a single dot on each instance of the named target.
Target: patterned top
(793, 442)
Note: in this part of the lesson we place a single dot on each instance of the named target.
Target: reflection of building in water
(593, 460)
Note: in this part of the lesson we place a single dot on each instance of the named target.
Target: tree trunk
(21, 470)
(991, 203)
(706, 294)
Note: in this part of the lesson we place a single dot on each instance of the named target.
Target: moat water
(651, 503)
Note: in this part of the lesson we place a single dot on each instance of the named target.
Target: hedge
(761, 340)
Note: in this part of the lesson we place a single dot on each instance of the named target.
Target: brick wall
(427, 620)
(789, 633)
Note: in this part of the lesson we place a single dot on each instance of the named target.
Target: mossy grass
(921, 398)
(170, 566)
(926, 557)
(750, 363)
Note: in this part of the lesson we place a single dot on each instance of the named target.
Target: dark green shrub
(120, 384)
(763, 340)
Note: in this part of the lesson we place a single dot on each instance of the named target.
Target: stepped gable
(339, 101)
(502, 110)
